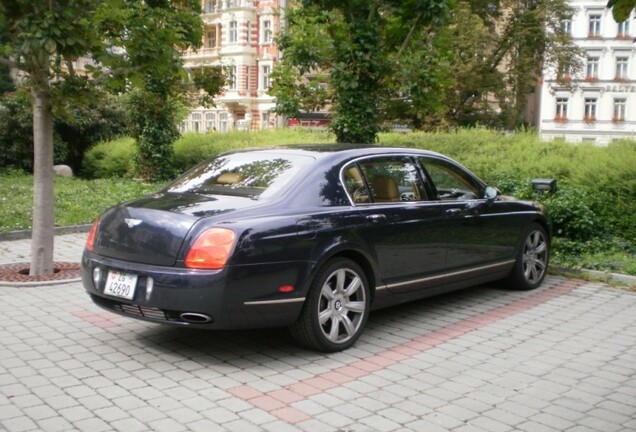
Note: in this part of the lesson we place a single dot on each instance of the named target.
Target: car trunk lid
(152, 230)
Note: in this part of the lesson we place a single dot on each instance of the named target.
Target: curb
(623, 279)
(39, 284)
(23, 235)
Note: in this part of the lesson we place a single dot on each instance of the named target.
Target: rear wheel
(336, 308)
(532, 259)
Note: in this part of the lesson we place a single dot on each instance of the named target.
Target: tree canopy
(423, 63)
(125, 45)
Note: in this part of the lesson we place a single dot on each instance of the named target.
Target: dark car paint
(285, 240)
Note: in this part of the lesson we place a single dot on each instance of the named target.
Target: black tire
(336, 309)
(532, 259)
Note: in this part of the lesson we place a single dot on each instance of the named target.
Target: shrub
(110, 159)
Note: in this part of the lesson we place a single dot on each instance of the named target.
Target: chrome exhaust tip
(196, 318)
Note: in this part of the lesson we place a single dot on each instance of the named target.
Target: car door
(401, 223)
(477, 230)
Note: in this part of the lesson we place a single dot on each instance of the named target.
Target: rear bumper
(232, 298)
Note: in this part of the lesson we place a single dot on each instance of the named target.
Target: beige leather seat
(385, 189)
(229, 178)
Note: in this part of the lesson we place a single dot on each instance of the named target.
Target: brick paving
(560, 358)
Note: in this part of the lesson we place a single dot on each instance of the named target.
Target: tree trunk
(42, 237)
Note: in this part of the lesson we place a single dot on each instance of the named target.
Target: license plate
(120, 284)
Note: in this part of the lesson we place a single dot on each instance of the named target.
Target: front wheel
(336, 309)
(533, 256)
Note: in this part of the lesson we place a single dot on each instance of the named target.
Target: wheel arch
(355, 255)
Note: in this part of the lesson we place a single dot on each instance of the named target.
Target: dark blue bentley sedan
(309, 237)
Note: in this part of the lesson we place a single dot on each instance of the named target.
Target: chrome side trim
(447, 275)
(273, 302)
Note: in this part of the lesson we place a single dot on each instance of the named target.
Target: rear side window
(383, 180)
(253, 175)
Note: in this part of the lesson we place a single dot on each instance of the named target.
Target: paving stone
(559, 358)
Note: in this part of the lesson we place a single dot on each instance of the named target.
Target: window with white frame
(210, 38)
(196, 121)
(592, 68)
(233, 32)
(590, 109)
(623, 29)
(210, 6)
(622, 64)
(232, 78)
(594, 28)
(567, 27)
(619, 109)
(265, 80)
(210, 121)
(561, 109)
(268, 35)
(265, 120)
(223, 122)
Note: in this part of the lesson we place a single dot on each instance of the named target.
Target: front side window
(384, 180)
(450, 182)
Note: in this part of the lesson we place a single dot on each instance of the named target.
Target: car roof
(342, 151)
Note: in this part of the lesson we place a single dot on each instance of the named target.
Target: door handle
(453, 212)
(376, 218)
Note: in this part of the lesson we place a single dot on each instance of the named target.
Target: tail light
(90, 241)
(211, 249)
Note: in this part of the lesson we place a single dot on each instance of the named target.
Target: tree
(354, 42)
(135, 44)
(621, 9)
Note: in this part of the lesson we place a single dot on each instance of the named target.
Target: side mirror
(544, 185)
(491, 193)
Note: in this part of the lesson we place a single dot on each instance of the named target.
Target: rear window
(253, 175)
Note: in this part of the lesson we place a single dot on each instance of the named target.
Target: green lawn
(77, 201)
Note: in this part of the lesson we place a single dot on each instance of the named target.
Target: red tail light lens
(90, 241)
(211, 249)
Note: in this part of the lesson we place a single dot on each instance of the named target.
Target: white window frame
(233, 32)
(620, 107)
(591, 105)
(623, 29)
(562, 108)
(622, 67)
(210, 121)
(232, 78)
(594, 25)
(268, 31)
(266, 82)
(592, 67)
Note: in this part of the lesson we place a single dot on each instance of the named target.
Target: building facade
(238, 34)
(599, 103)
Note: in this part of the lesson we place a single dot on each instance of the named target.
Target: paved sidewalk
(560, 358)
